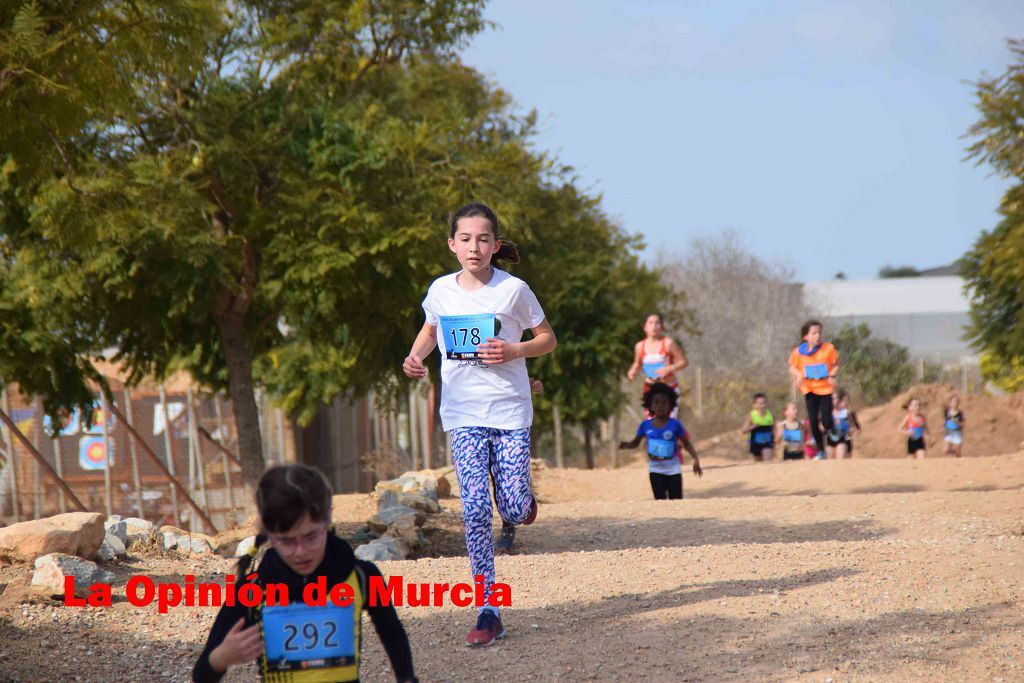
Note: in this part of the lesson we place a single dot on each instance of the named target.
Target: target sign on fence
(92, 453)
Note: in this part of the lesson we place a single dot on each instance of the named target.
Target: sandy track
(880, 570)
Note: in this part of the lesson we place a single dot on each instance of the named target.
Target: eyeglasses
(288, 546)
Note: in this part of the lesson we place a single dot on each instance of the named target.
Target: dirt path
(858, 570)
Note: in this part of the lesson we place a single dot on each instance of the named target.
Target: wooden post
(226, 463)
(431, 405)
(134, 454)
(12, 459)
(59, 466)
(16, 433)
(700, 392)
(414, 438)
(108, 454)
(556, 419)
(197, 451)
(169, 452)
(614, 422)
(37, 428)
(171, 479)
(281, 455)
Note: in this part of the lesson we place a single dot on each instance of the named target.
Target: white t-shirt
(474, 394)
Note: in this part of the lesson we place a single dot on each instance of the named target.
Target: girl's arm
(688, 446)
(631, 444)
(778, 432)
(748, 425)
(495, 350)
(425, 342)
(854, 421)
(904, 429)
(638, 357)
(390, 631)
(677, 352)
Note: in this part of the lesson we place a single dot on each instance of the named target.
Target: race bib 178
(464, 333)
(301, 636)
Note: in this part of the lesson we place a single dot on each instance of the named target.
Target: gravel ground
(809, 571)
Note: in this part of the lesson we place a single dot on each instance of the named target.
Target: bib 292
(300, 636)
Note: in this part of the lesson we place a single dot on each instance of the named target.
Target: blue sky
(827, 134)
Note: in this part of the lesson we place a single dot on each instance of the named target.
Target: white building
(928, 315)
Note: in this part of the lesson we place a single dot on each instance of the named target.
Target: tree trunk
(588, 443)
(243, 396)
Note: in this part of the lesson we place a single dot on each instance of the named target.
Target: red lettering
(315, 594)
(190, 591)
(501, 595)
(100, 596)
(69, 593)
(439, 590)
(229, 590)
(277, 594)
(250, 595)
(342, 594)
(132, 590)
(209, 595)
(459, 597)
(478, 590)
(382, 592)
(168, 595)
(423, 598)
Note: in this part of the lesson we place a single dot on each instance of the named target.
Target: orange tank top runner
(815, 366)
(652, 362)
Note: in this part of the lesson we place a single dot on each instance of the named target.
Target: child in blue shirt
(664, 436)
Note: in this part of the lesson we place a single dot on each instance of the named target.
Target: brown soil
(861, 570)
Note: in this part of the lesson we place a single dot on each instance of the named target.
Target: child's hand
(697, 469)
(536, 386)
(625, 444)
(663, 372)
(413, 367)
(631, 373)
(495, 351)
(240, 645)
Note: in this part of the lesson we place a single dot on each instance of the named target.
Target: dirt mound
(994, 424)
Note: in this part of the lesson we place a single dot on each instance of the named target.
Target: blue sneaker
(488, 629)
(820, 456)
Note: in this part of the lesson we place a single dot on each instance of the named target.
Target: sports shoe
(820, 456)
(503, 546)
(533, 511)
(488, 629)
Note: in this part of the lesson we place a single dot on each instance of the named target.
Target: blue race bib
(300, 636)
(660, 449)
(651, 369)
(917, 432)
(464, 333)
(816, 371)
(952, 425)
(793, 436)
(762, 436)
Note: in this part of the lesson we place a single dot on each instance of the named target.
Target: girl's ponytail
(508, 251)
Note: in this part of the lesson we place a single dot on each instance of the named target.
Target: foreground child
(664, 436)
(299, 642)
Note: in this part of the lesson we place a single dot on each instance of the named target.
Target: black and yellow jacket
(339, 566)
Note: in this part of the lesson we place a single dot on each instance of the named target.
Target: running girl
(481, 313)
(664, 436)
(790, 433)
(760, 425)
(916, 429)
(657, 355)
(814, 365)
(844, 425)
(953, 423)
(294, 505)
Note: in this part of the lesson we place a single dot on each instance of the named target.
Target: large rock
(51, 569)
(72, 533)
(383, 549)
(186, 541)
(406, 529)
(130, 529)
(380, 522)
(389, 498)
(111, 548)
(430, 483)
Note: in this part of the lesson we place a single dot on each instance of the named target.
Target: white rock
(245, 546)
(111, 548)
(382, 549)
(131, 530)
(51, 569)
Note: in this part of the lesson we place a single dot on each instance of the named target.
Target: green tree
(994, 267)
(876, 369)
(888, 271)
(243, 209)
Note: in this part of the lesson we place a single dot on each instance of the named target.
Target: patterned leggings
(482, 453)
